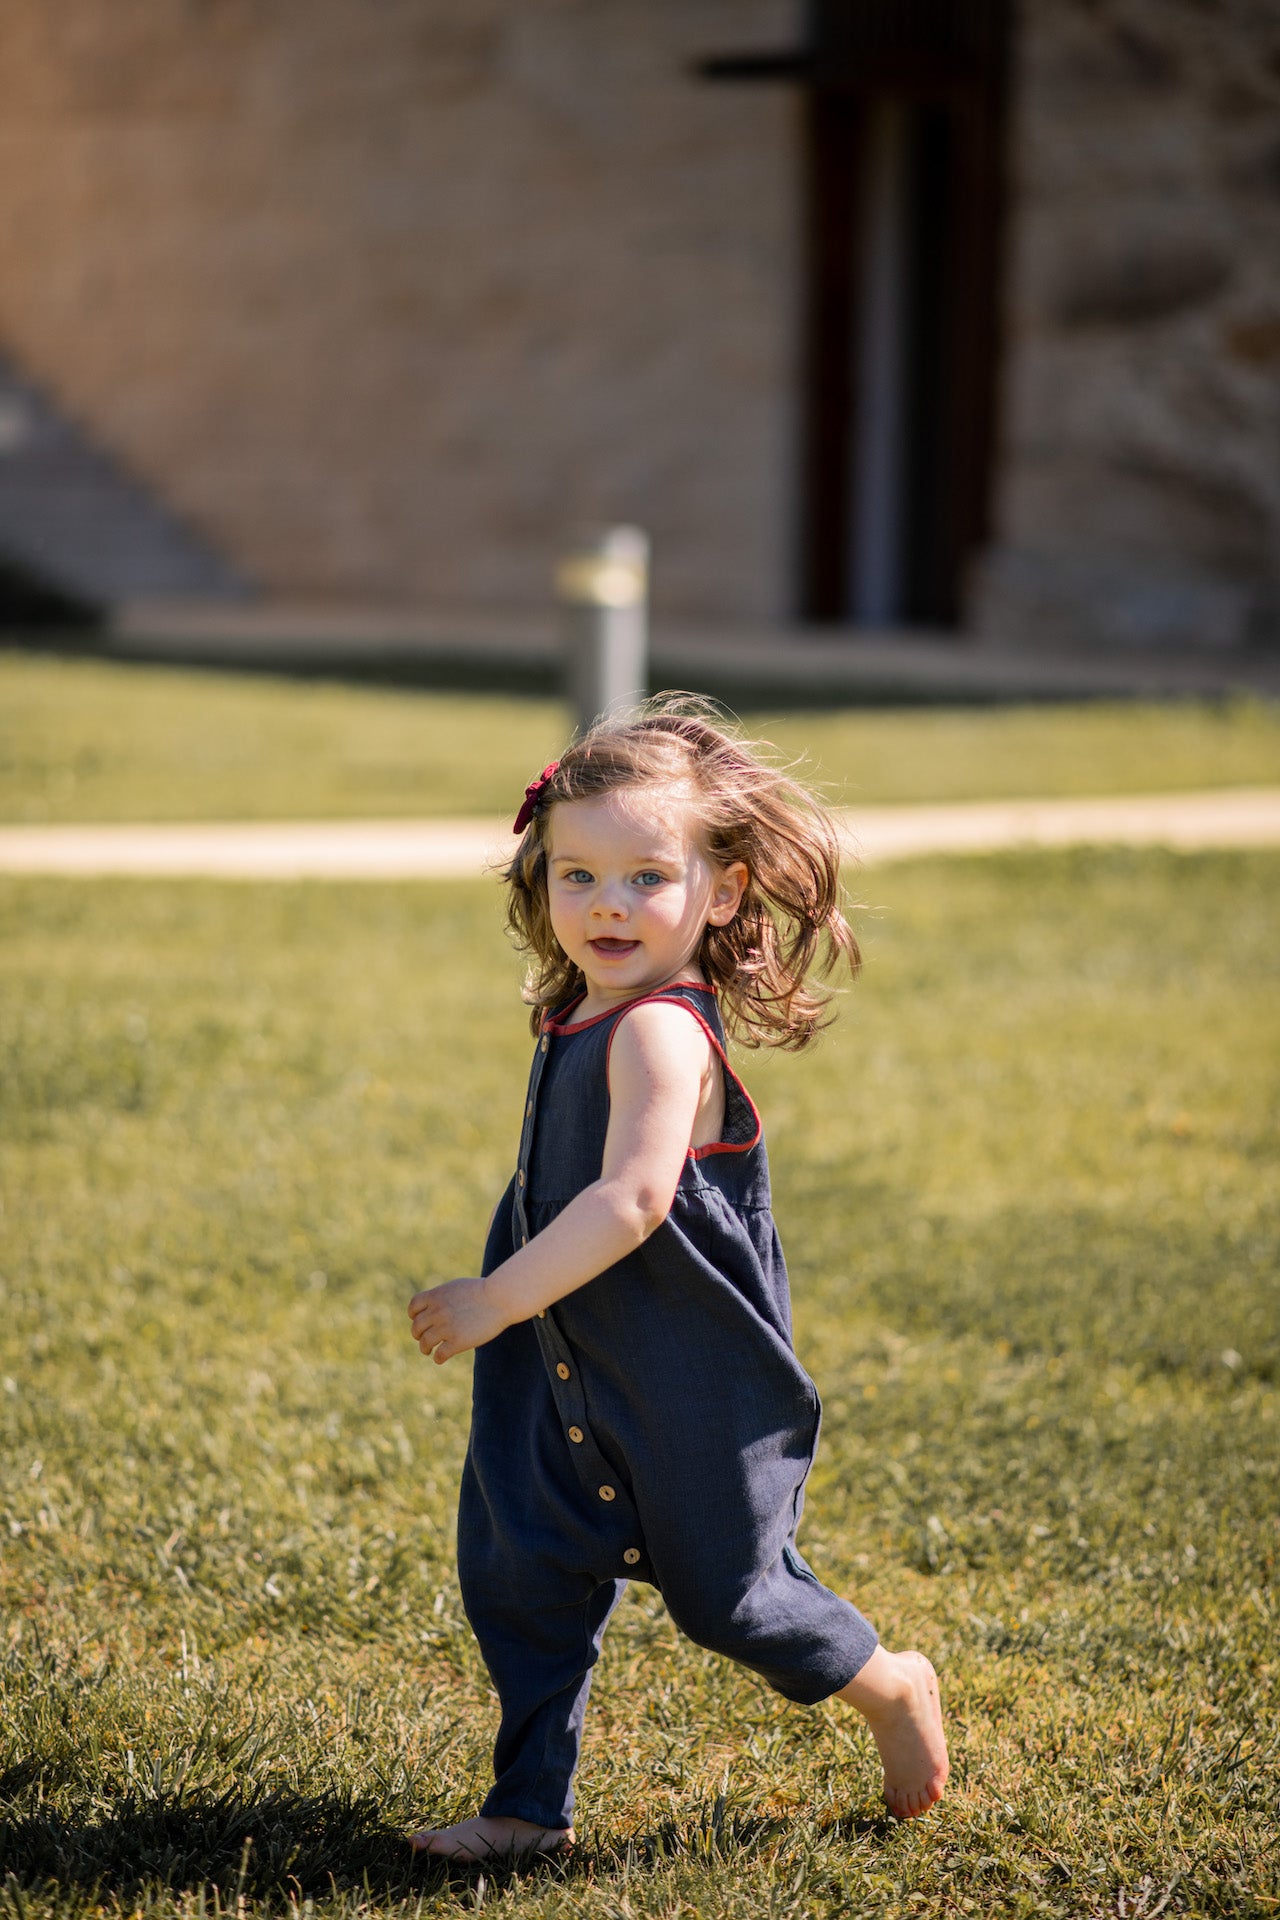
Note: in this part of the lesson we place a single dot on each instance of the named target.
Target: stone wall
(1139, 488)
(384, 297)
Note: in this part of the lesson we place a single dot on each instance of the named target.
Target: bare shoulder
(661, 1037)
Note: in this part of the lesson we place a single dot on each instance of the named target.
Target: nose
(609, 904)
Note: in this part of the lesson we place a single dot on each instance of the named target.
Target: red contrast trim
(559, 1023)
(553, 1024)
(673, 1000)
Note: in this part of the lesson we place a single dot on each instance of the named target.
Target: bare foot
(897, 1695)
(487, 1838)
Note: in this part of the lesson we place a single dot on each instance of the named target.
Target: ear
(726, 896)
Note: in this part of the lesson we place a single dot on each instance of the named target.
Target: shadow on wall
(26, 601)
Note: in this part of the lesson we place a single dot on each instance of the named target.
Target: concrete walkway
(452, 849)
(773, 664)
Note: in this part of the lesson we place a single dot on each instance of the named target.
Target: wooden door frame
(959, 474)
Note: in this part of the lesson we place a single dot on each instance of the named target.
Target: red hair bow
(532, 795)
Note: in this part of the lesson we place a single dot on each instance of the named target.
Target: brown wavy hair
(789, 925)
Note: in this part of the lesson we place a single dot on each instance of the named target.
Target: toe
(439, 1845)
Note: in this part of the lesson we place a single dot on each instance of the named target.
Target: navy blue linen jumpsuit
(653, 1425)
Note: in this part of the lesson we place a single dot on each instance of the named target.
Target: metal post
(603, 587)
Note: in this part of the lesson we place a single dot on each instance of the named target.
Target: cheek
(560, 911)
(685, 909)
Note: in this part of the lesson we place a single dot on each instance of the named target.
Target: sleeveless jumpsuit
(653, 1425)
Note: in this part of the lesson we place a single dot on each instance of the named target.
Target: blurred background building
(940, 314)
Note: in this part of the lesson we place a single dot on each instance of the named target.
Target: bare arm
(656, 1069)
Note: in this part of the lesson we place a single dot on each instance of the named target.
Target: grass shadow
(270, 1849)
(257, 1848)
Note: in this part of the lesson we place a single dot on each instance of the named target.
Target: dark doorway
(903, 115)
(29, 601)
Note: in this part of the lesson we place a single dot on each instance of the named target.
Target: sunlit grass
(86, 740)
(1026, 1186)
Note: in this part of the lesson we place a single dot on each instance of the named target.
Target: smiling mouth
(614, 948)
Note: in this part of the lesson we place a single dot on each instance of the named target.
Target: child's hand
(455, 1317)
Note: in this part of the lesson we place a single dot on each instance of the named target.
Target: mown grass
(1027, 1190)
(85, 740)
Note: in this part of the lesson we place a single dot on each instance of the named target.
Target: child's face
(631, 890)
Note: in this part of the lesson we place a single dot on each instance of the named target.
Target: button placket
(566, 1386)
(597, 1477)
(595, 1474)
(594, 1471)
(526, 1142)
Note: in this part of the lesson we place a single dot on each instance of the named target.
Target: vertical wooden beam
(966, 285)
(832, 201)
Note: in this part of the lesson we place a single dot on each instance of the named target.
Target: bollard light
(602, 583)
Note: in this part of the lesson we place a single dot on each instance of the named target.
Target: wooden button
(542, 1313)
(562, 1370)
(575, 1434)
(524, 1239)
(528, 1108)
(520, 1177)
(608, 1493)
(543, 1044)
(632, 1556)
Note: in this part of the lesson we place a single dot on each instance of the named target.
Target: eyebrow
(649, 859)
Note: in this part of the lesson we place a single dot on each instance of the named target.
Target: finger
(419, 1301)
(428, 1316)
(431, 1338)
(445, 1351)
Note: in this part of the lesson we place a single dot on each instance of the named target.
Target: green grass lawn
(1027, 1188)
(85, 740)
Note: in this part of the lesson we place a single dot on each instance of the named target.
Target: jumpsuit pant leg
(540, 1626)
(805, 1641)
(534, 1571)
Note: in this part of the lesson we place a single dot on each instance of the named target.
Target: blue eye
(649, 878)
(578, 875)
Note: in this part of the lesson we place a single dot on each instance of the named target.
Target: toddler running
(638, 1409)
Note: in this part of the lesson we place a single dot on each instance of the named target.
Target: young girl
(638, 1409)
